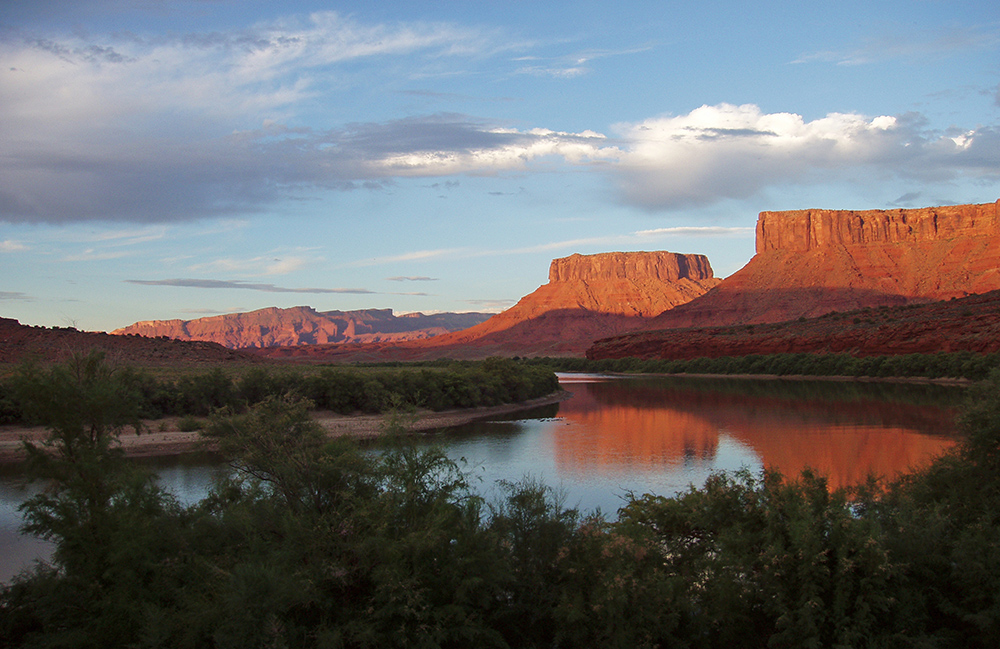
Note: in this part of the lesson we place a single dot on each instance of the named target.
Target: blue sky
(179, 159)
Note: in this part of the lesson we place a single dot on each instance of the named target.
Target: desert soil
(162, 438)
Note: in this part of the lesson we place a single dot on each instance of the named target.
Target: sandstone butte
(811, 263)
(304, 325)
(587, 297)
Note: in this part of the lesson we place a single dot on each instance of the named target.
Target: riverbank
(162, 437)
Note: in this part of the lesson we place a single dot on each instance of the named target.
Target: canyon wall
(812, 262)
(589, 297)
(803, 230)
(661, 266)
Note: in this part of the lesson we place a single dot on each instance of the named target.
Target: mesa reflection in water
(843, 431)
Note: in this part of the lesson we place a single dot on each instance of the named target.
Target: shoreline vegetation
(313, 542)
(357, 400)
(163, 437)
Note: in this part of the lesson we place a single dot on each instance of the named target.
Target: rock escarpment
(812, 262)
(587, 297)
(305, 326)
(590, 297)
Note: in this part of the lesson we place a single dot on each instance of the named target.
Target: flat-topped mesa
(803, 230)
(659, 265)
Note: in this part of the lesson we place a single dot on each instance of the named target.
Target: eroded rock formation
(812, 262)
(304, 325)
(587, 297)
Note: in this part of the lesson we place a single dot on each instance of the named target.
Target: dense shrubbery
(939, 365)
(314, 543)
(345, 390)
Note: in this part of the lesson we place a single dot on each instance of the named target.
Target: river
(616, 436)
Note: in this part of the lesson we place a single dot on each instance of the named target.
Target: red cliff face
(305, 326)
(589, 297)
(812, 262)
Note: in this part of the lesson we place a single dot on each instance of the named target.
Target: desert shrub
(189, 424)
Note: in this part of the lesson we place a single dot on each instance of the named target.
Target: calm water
(657, 435)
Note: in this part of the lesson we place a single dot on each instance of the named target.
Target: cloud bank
(110, 128)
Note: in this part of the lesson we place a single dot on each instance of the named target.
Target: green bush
(316, 542)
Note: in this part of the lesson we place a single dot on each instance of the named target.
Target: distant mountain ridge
(303, 325)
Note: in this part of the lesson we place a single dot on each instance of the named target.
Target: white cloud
(109, 129)
(9, 245)
(729, 151)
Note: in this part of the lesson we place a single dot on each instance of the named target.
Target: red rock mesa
(812, 262)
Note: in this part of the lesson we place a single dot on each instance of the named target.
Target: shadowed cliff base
(967, 324)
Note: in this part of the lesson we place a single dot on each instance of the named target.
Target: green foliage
(967, 365)
(317, 542)
(345, 390)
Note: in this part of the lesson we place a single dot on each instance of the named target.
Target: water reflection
(660, 435)
(844, 431)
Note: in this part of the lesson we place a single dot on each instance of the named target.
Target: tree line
(958, 365)
(342, 389)
(314, 542)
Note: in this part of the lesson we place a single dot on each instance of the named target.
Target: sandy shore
(162, 438)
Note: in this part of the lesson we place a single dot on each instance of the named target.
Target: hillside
(965, 324)
(304, 325)
(21, 342)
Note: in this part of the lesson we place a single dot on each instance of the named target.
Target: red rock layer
(812, 262)
(587, 297)
(305, 326)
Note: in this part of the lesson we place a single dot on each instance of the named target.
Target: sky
(186, 158)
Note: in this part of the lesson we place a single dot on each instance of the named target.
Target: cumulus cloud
(227, 284)
(729, 151)
(109, 128)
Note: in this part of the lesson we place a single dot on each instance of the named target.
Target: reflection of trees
(836, 429)
(876, 392)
